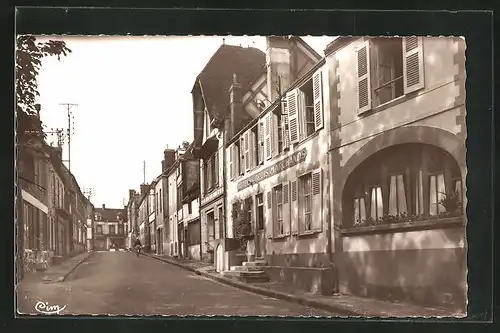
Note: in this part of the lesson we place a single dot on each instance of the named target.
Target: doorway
(260, 245)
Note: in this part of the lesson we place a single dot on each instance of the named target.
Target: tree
(29, 55)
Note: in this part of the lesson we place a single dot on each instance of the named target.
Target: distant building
(110, 228)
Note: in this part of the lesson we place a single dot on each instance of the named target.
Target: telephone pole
(70, 128)
(144, 171)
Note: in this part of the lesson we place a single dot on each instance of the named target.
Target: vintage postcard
(241, 175)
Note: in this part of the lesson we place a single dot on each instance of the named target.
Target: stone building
(278, 163)
(397, 160)
(210, 111)
(110, 228)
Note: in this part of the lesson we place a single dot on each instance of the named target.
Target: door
(186, 253)
(260, 247)
(219, 261)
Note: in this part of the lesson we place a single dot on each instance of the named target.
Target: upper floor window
(304, 109)
(388, 68)
(234, 159)
(98, 229)
(112, 229)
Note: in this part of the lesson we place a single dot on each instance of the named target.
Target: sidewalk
(58, 273)
(343, 305)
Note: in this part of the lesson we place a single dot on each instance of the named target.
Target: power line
(70, 128)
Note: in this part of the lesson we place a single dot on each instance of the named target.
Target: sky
(134, 100)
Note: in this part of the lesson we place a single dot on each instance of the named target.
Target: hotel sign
(280, 166)
(212, 196)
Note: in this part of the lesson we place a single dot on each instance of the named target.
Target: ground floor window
(278, 209)
(194, 236)
(398, 184)
(305, 201)
(260, 212)
(210, 226)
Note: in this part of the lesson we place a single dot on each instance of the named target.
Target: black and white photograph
(279, 175)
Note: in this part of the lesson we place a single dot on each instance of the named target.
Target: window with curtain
(402, 183)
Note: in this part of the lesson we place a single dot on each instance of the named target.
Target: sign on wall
(272, 170)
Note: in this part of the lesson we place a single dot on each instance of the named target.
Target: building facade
(397, 157)
(143, 216)
(132, 217)
(51, 205)
(278, 165)
(210, 113)
(110, 228)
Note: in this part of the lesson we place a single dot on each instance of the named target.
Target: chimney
(168, 159)
(144, 189)
(58, 152)
(103, 206)
(236, 107)
(131, 194)
(278, 61)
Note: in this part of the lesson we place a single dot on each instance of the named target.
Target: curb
(265, 292)
(284, 296)
(74, 267)
(191, 269)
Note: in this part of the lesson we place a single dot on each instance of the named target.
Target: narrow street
(120, 283)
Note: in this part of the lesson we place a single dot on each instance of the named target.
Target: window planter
(438, 222)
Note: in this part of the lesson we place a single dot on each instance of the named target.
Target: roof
(217, 76)
(110, 214)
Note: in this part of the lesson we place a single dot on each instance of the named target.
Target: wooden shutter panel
(317, 202)
(216, 157)
(251, 149)
(318, 100)
(231, 164)
(286, 208)
(269, 216)
(294, 207)
(274, 134)
(267, 136)
(284, 124)
(246, 151)
(242, 154)
(293, 116)
(260, 134)
(413, 64)
(364, 82)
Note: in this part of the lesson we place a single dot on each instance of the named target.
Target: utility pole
(144, 171)
(89, 192)
(70, 128)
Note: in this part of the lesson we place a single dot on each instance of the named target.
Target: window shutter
(274, 133)
(267, 136)
(260, 134)
(269, 216)
(216, 166)
(364, 82)
(286, 208)
(246, 155)
(242, 154)
(294, 208)
(284, 124)
(293, 116)
(317, 202)
(231, 164)
(318, 100)
(413, 64)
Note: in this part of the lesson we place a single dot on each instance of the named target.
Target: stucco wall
(287, 250)
(427, 266)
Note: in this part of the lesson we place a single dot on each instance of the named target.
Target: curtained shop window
(403, 183)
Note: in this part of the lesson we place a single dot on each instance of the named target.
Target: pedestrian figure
(137, 246)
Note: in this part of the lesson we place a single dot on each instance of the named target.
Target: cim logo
(45, 308)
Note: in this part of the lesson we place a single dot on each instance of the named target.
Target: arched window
(403, 183)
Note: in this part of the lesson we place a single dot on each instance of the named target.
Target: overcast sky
(134, 99)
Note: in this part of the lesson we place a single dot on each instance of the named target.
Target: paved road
(121, 283)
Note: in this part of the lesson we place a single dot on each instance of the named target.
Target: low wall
(318, 281)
